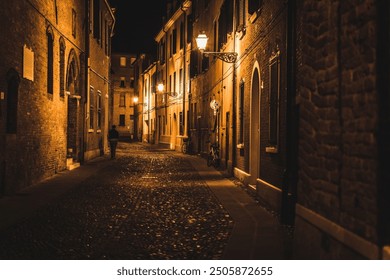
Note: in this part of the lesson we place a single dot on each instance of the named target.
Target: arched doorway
(72, 90)
(254, 154)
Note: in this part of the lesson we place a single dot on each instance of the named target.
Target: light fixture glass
(160, 87)
(201, 41)
(135, 99)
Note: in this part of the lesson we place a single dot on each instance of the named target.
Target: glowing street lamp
(161, 90)
(201, 41)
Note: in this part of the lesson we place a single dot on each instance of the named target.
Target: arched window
(62, 67)
(50, 59)
(72, 74)
(13, 81)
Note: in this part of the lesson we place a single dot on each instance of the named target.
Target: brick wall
(38, 149)
(263, 35)
(338, 116)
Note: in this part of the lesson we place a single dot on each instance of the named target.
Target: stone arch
(72, 74)
(73, 122)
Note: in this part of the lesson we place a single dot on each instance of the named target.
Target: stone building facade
(123, 102)
(172, 73)
(261, 99)
(303, 114)
(43, 84)
(101, 23)
(141, 64)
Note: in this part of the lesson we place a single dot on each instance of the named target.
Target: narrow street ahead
(146, 204)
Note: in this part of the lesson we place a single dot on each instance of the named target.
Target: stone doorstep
(70, 165)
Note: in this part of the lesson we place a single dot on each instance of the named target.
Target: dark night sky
(137, 23)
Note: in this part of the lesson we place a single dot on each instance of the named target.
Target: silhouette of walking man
(113, 137)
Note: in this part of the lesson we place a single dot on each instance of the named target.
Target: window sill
(240, 33)
(255, 16)
(271, 149)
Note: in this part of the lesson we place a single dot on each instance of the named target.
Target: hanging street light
(201, 41)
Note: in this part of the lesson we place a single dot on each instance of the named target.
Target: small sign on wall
(28, 63)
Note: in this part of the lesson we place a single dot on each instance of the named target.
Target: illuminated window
(123, 61)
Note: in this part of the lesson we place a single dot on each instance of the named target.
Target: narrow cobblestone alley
(143, 205)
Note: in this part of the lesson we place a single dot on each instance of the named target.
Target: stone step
(70, 165)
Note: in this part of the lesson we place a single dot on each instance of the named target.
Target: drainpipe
(383, 131)
(149, 121)
(83, 144)
(234, 109)
(185, 68)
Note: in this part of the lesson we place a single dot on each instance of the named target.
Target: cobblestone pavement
(143, 205)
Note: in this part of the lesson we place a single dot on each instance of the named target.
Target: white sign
(214, 104)
(28, 63)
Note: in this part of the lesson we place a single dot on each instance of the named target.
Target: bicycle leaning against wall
(213, 156)
(186, 145)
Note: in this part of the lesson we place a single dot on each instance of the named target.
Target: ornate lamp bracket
(229, 57)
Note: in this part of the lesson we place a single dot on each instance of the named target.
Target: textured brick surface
(338, 117)
(38, 149)
(45, 130)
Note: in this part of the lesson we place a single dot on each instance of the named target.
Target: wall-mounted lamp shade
(160, 87)
(201, 41)
(135, 99)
